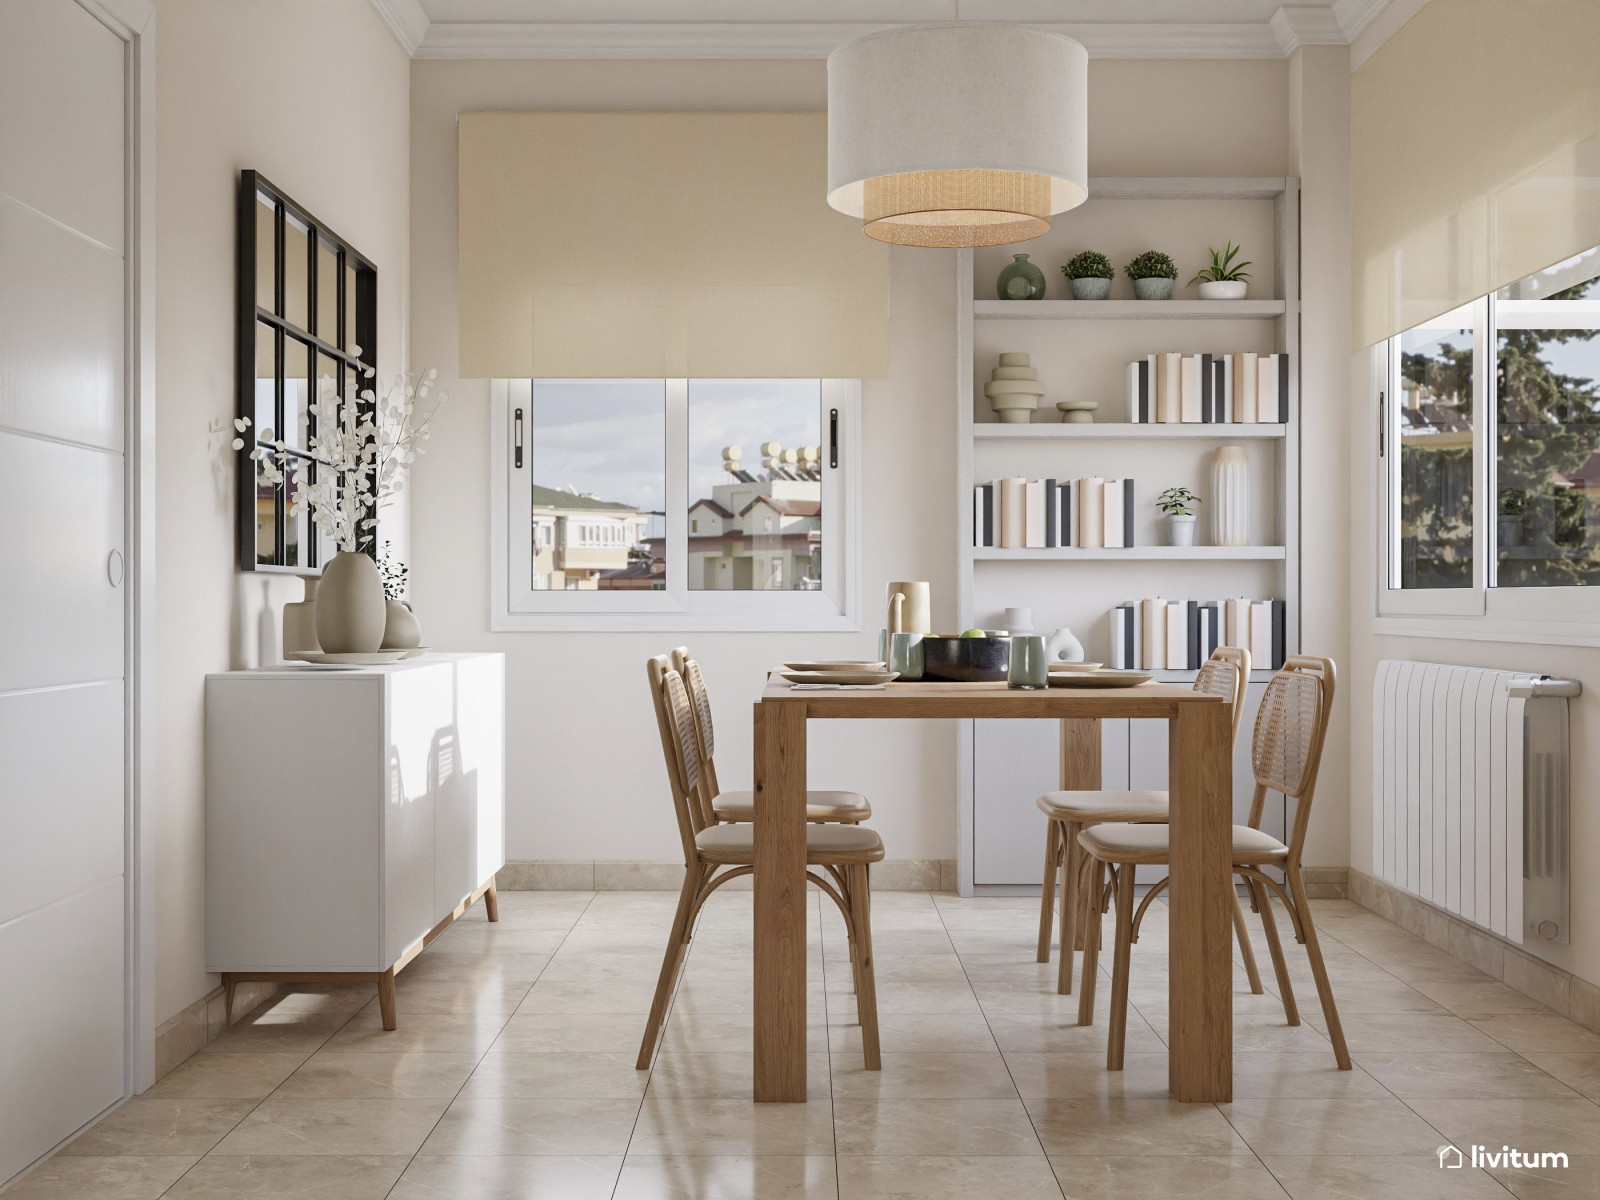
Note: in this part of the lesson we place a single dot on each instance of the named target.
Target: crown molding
(406, 20)
(1302, 25)
(1355, 15)
(805, 40)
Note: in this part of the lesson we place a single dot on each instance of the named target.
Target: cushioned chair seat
(824, 843)
(1092, 807)
(820, 806)
(1125, 842)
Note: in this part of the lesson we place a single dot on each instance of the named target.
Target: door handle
(115, 568)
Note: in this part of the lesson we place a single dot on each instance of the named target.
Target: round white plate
(376, 658)
(1099, 679)
(840, 677)
(845, 665)
(1068, 668)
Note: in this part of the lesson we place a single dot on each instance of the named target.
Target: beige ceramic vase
(909, 608)
(351, 614)
(402, 630)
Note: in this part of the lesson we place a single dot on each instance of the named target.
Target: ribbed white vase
(1230, 497)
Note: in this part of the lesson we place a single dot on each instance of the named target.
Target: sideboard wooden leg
(386, 1002)
(229, 983)
(491, 901)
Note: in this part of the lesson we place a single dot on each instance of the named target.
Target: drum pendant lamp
(957, 134)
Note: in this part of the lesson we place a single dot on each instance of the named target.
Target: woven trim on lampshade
(956, 208)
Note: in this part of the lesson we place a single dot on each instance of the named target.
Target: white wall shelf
(1123, 431)
(1081, 349)
(1133, 554)
(1127, 310)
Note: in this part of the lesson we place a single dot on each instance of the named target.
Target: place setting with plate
(844, 673)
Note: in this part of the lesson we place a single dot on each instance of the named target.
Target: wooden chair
(1224, 674)
(845, 808)
(717, 852)
(1285, 755)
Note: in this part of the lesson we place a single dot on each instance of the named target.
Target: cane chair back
(700, 698)
(1286, 750)
(680, 748)
(1225, 674)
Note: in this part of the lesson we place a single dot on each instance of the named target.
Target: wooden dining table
(1201, 896)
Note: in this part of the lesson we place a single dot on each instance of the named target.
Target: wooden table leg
(1080, 772)
(780, 902)
(1200, 1025)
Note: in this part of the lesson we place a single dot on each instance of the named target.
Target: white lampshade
(957, 134)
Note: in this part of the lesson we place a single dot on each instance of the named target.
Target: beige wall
(583, 775)
(313, 93)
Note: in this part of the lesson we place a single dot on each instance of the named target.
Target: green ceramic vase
(1021, 280)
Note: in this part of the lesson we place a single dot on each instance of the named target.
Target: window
(1490, 452)
(675, 504)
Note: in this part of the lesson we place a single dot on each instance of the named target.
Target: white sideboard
(351, 815)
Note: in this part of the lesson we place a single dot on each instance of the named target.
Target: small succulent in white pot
(1178, 505)
(1224, 279)
(1090, 273)
(1153, 274)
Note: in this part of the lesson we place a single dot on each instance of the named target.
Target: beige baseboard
(187, 1033)
(891, 875)
(1326, 883)
(1561, 991)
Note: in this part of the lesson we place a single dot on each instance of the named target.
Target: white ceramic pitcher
(909, 608)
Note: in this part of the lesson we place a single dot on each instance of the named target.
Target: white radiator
(1469, 787)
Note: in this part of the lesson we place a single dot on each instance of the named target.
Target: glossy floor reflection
(511, 1076)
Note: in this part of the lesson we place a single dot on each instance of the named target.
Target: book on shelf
(1209, 389)
(1157, 634)
(1053, 514)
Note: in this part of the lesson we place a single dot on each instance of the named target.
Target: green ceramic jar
(1021, 280)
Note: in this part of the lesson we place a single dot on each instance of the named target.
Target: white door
(63, 598)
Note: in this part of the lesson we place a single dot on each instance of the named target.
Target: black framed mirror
(307, 315)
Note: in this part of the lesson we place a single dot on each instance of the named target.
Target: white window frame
(1567, 616)
(516, 607)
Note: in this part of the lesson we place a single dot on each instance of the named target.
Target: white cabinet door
(63, 598)
(1013, 762)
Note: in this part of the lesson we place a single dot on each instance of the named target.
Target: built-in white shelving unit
(1081, 350)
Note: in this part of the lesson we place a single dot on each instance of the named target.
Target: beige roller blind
(661, 245)
(1475, 160)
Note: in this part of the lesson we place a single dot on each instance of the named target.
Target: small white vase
(1224, 289)
(1061, 646)
(1180, 530)
(350, 605)
(1230, 497)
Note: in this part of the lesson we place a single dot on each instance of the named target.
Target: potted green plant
(1091, 274)
(1224, 279)
(1178, 505)
(1153, 274)
(1513, 510)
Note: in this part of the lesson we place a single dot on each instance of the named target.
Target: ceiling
(811, 28)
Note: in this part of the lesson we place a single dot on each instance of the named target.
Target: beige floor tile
(468, 967)
(727, 1177)
(101, 1178)
(915, 1032)
(945, 1177)
(1116, 1126)
(279, 1033)
(1578, 1071)
(1369, 1177)
(1474, 1001)
(1299, 1074)
(309, 1177)
(926, 1075)
(727, 998)
(627, 998)
(534, 1126)
(1530, 1033)
(227, 1076)
(508, 1177)
(451, 1033)
(915, 1126)
(475, 939)
(725, 1075)
(1430, 1075)
(1196, 1177)
(710, 1033)
(327, 998)
(600, 1033)
(913, 968)
(497, 997)
(893, 943)
(290, 1125)
(1031, 1036)
(1400, 1032)
(1578, 1180)
(901, 996)
(1569, 1126)
(715, 1127)
(342, 1075)
(1084, 1076)
(1361, 995)
(575, 1075)
(154, 1126)
(1315, 1126)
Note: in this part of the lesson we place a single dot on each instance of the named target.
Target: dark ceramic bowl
(966, 660)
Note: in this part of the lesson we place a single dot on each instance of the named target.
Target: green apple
(973, 633)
